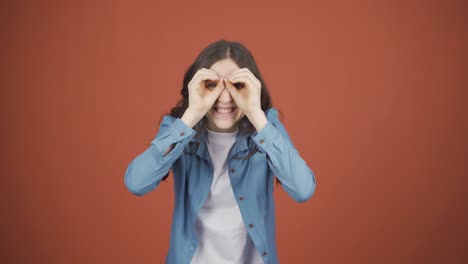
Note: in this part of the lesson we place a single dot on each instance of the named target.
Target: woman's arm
(145, 172)
(283, 158)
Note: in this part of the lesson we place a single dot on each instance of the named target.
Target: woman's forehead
(224, 68)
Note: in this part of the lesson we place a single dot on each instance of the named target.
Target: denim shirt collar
(239, 146)
(241, 143)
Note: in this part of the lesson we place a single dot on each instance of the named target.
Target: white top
(221, 232)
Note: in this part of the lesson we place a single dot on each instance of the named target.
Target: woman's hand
(245, 89)
(204, 89)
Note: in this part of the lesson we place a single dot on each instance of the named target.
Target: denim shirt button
(261, 141)
(241, 198)
(233, 170)
(182, 133)
(264, 253)
(251, 225)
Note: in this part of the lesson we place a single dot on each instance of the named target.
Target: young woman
(225, 145)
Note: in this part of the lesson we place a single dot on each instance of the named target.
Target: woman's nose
(225, 96)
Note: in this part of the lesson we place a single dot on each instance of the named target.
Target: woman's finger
(216, 92)
(202, 76)
(207, 75)
(232, 90)
(207, 72)
(247, 71)
(244, 79)
(245, 74)
(237, 72)
(204, 72)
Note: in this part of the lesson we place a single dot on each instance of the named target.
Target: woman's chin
(223, 126)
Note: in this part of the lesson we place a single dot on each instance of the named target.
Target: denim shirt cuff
(177, 131)
(180, 130)
(266, 136)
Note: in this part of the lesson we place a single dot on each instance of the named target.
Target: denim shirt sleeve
(283, 159)
(144, 173)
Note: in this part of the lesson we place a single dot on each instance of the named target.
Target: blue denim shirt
(252, 180)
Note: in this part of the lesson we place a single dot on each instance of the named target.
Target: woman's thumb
(218, 89)
(231, 89)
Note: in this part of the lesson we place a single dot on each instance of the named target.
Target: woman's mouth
(224, 111)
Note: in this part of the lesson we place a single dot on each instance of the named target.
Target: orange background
(373, 95)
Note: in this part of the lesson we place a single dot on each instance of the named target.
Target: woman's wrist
(258, 118)
(190, 117)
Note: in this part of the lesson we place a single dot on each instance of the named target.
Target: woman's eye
(239, 85)
(210, 84)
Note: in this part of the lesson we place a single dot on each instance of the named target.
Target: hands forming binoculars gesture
(206, 87)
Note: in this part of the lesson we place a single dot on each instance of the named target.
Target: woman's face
(227, 121)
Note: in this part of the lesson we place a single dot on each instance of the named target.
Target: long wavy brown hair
(216, 51)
